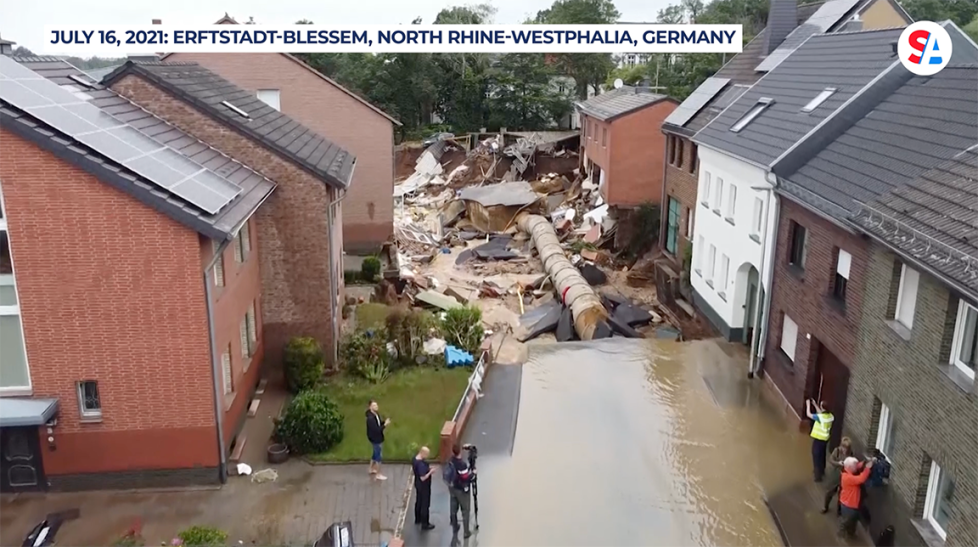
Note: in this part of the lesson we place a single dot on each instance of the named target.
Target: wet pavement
(628, 442)
(294, 510)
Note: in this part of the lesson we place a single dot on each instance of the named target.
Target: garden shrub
(462, 328)
(312, 423)
(364, 353)
(351, 277)
(408, 328)
(304, 363)
(370, 269)
(203, 536)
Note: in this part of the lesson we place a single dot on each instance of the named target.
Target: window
(271, 97)
(712, 263)
(705, 194)
(249, 333)
(724, 273)
(689, 223)
(15, 377)
(799, 246)
(819, 99)
(235, 109)
(758, 219)
(242, 245)
(693, 158)
(604, 136)
(732, 201)
(754, 112)
(218, 267)
(907, 296)
(699, 250)
(679, 153)
(789, 337)
(89, 403)
(937, 504)
(243, 331)
(671, 144)
(226, 370)
(964, 351)
(885, 432)
(842, 264)
(718, 195)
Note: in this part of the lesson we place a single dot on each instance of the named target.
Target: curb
(352, 462)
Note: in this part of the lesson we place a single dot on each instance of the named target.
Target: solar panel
(695, 102)
(729, 96)
(62, 109)
(822, 20)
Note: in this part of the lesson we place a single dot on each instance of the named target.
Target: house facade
(131, 301)
(288, 84)
(622, 146)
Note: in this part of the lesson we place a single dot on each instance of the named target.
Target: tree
(587, 69)
(962, 12)
(524, 98)
(972, 28)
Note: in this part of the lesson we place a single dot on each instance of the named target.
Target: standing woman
(836, 460)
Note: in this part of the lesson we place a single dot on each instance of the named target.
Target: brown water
(638, 442)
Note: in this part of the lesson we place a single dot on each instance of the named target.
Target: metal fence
(475, 383)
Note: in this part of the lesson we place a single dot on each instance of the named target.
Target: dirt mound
(405, 158)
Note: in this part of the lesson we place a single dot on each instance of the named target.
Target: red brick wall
(292, 225)
(334, 114)
(242, 286)
(110, 290)
(635, 143)
(806, 298)
(682, 185)
(596, 150)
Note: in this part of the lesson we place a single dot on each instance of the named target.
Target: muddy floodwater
(638, 442)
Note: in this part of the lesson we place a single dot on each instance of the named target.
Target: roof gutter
(215, 363)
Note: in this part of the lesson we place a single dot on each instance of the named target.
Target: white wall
(730, 237)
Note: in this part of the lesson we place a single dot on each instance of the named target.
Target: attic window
(236, 110)
(754, 112)
(819, 99)
(82, 81)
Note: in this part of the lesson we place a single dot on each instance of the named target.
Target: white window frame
(718, 194)
(14, 310)
(959, 333)
(724, 273)
(884, 431)
(243, 333)
(731, 201)
(754, 112)
(819, 99)
(219, 279)
(85, 412)
(789, 327)
(712, 258)
(699, 250)
(277, 98)
(930, 501)
(227, 371)
(707, 185)
(914, 276)
(242, 245)
(758, 220)
(252, 333)
(689, 222)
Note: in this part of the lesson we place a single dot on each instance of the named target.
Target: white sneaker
(380, 477)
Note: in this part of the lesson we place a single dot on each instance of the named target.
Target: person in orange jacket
(850, 494)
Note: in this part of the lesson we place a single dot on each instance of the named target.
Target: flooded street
(636, 442)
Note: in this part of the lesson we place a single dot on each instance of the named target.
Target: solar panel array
(822, 20)
(695, 102)
(88, 124)
(729, 95)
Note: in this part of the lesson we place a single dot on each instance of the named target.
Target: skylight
(819, 99)
(235, 109)
(754, 112)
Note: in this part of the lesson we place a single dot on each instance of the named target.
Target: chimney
(157, 21)
(782, 18)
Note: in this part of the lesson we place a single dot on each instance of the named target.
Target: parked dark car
(435, 138)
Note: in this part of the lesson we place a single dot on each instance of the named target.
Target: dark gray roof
(829, 15)
(846, 61)
(740, 71)
(98, 73)
(782, 18)
(272, 129)
(619, 102)
(910, 130)
(255, 187)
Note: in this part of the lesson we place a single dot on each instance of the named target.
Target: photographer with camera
(459, 474)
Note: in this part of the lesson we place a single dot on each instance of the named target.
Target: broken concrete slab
(623, 329)
(506, 194)
(540, 320)
(437, 300)
(632, 315)
(462, 294)
(593, 275)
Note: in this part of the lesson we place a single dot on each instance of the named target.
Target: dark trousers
(460, 500)
(819, 449)
(422, 502)
(850, 517)
(832, 492)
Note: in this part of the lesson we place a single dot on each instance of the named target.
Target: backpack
(448, 473)
(881, 470)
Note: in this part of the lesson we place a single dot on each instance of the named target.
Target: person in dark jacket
(422, 487)
(459, 488)
(375, 434)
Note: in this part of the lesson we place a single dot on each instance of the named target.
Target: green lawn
(418, 401)
(371, 315)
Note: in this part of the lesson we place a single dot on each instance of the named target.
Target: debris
(565, 326)
(461, 294)
(437, 300)
(434, 346)
(593, 234)
(593, 274)
(540, 320)
(505, 194)
(632, 315)
(623, 329)
(265, 475)
(243, 469)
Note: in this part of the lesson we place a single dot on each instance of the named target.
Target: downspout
(664, 199)
(768, 249)
(215, 364)
(334, 283)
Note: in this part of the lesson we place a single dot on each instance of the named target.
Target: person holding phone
(375, 434)
(422, 487)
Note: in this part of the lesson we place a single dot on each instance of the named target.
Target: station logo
(924, 48)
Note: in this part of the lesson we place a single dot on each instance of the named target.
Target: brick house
(621, 144)
(300, 231)
(913, 392)
(130, 301)
(304, 94)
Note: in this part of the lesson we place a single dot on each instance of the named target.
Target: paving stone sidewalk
(294, 510)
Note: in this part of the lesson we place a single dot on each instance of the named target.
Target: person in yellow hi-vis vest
(821, 431)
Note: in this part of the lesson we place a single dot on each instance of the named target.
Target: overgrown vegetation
(646, 226)
(202, 536)
(462, 328)
(311, 423)
(408, 328)
(579, 245)
(364, 354)
(370, 269)
(304, 363)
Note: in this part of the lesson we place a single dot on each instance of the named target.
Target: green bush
(408, 328)
(462, 328)
(646, 227)
(203, 536)
(351, 277)
(312, 423)
(304, 363)
(687, 263)
(364, 354)
(370, 269)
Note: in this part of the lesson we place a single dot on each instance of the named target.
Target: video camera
(473, 451)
